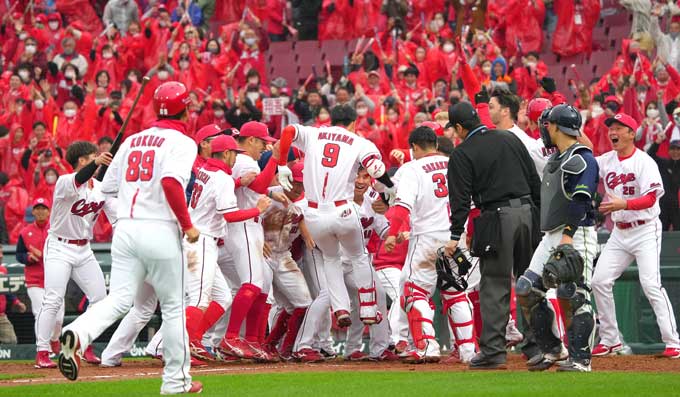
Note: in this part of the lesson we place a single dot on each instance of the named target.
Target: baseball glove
(565, 265)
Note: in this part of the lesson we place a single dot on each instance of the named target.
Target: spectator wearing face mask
(70, 56)
(667, 79)
(69, 125)
(28, 53)
(120, 13)
(107, 61)
(245, 109)
(651, 126)
(250, 48)
(69, 85)
(157, 32)
(215, 113)
(109, 119)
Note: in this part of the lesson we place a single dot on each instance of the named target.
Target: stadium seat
(333, 51)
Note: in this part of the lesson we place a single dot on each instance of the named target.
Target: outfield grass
(360, 384)
(19, 376)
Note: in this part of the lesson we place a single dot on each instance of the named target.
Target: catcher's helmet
(451, 270)
(170, 98)
(535, 107)
(567, 118)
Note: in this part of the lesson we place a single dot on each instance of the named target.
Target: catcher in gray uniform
(564, 258)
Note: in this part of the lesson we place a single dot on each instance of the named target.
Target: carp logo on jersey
(83, 208)
(613, 180)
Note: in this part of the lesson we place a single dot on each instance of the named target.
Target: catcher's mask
(451, 270)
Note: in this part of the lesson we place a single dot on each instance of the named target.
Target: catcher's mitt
(565, 265)
(451, 270)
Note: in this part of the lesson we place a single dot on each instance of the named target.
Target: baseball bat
(121, 132)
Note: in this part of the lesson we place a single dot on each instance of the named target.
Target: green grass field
(393, 383)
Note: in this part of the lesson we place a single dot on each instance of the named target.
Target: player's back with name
(138, 167)
(212, 196)
(332, 157)
(422, 189)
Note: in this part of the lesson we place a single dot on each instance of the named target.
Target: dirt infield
(26, 374)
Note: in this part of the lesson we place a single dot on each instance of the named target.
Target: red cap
(436, 127)
(536, 107)
(42, 18)
(170, 98)
(17, 16)
(256, 129)
(54, 17)
(41, 201)
(297, 170)
(374, 72)
(223, 143)
(612, 98)
(624, 119)
(207, 132)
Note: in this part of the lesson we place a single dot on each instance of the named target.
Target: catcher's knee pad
(529, 290)
(409, 301)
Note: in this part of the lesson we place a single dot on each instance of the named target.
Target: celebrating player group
(257, 249)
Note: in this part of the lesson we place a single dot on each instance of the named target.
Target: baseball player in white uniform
(282, 226)
(332, 157)
(246, 239)
(148, 175)
(422, 194)
(633, 186)
(75, 207)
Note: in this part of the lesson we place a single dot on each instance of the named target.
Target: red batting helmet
(170, 98)
(536, 106)
(436, 127)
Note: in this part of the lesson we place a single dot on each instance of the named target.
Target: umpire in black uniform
(494, 169)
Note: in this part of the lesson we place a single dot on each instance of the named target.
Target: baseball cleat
(602, 350)
(372, 320)
(237, 347)
(413, 357)
(90, 357)
(386, 355)
(671, 352)
(42, 360)
(328, 353)
(261, 354)
(549, 359)
(357, 356)
(401, 346)
(69, 357)
(197, 351)
(482, 361)
(574, 366)
(308, 356)
(221, 356)
(55, 345)
(342, 318)
(197, 363)
(110, 364)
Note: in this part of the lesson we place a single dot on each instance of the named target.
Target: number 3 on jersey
(440, 181)
(331, 151)
(140, 166)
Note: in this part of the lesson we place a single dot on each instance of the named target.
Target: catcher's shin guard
(578, 314)
(458, 310)
(415, 302)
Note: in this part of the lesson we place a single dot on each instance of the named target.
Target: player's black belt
(515, 203)
(628, 225)
(74, 242)
(313, 204)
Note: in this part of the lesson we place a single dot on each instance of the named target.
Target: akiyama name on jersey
(422, 189)
(631, 178)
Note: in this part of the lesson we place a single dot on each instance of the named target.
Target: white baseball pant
(246, 240)
(35, 294)
(333, 228)
(642, 244)
(148, 250)
(389, 278)
(315, 329)
(64, 261)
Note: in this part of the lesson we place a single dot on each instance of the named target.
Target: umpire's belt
(313, 204)
(513, 203)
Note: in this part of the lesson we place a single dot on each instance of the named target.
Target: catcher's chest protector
(554, 199)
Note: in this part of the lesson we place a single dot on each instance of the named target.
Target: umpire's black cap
(463, 113)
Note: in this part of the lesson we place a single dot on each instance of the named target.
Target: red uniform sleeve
(241, 215)
(641, 203)
(262, 181)
(177, 201)
(484, 115)
(398, 218)
(286, 140)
